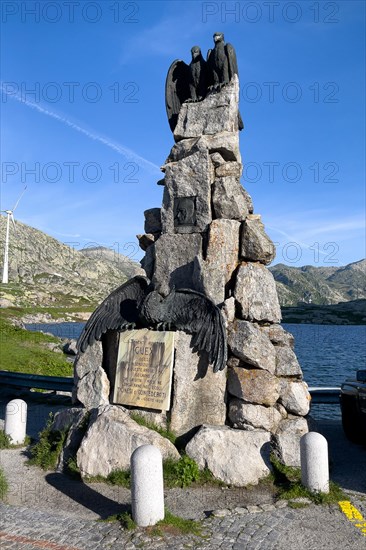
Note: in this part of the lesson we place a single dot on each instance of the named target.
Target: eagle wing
(233, 64)
(119, 309)
(195, 313)
(176, 90)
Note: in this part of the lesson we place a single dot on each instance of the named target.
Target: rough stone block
(253, 385)
(247, 416)
(146, 240)
(233, 169)
(187, 194)
(295, 397)
(176, 262)
(228, 199)
(91, 384)
(256, 294)
(218, 112)
(152, 220)
(198, 392)
(111, 438)
(279, 336)
(148, 261)
(287, 363)
(249, 344)
(221, 258)
(286, 442)
(226, 144)
(256, 246)
(236, 457)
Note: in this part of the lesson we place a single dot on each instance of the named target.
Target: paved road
(52, 512)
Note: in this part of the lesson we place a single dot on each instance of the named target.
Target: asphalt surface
(49, 510)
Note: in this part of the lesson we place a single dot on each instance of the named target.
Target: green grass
(171, 524)
(168, 434)
(287, 481)
(46, 451)
(24, 351)
(5, 442)
(175, 525)
(3, 485)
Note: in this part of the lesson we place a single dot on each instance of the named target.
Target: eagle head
(218, 37)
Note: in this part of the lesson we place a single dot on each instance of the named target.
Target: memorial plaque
(144, 369)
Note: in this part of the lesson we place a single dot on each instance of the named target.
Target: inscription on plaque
(144, 369)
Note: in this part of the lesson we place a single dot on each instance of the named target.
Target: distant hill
(325, 285)
(46, 272)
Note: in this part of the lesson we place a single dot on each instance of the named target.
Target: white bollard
(16, 420)
(147, 487)
(314, 462)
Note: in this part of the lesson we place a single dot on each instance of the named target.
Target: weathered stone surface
(255, 243)
(176, 262)
(249, 201)
(150, 416)
(236, 457)
(228, 199)
(70, 347)
(255, 291)
(287, 363)
(253, 385)
(221, 258)
(148, 261)
(146, 240)
(152, 220)
(228, 310)
(111, 438)
(218, 112)
(249, 344)
(279, 336)
(75, 421)
(226, 144)
(233, 169)
(65, 418)
(188, 178)
(286, 442)
(295, 397)
(199, 393)
(91, 384)
(246, 416)
(217, 159)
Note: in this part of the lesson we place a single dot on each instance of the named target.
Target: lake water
(327, 353)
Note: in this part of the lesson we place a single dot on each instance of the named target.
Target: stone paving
(309, 528)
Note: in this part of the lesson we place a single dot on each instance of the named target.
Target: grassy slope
(25, 351)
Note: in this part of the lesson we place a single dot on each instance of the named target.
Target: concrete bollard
(314, 462)
(147, 488)
(16, 420)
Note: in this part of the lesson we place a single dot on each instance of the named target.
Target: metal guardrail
(23, 380)
(326, 396)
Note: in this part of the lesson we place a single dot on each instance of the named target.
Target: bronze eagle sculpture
(193, 82)
(135, 304)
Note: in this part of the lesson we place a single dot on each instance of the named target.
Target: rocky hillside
(46, 272)
(325, 285)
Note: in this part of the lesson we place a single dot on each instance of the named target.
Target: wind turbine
(9, 214)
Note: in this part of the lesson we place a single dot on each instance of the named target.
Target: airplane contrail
(121, 149)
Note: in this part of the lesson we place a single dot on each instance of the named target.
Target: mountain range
(45, 272)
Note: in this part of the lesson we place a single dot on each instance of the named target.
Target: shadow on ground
(86, 496)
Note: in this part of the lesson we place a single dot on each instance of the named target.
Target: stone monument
(205, 238)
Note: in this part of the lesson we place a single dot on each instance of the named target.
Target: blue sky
(84, 123)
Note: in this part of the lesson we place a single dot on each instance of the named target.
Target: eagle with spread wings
(135, 304)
